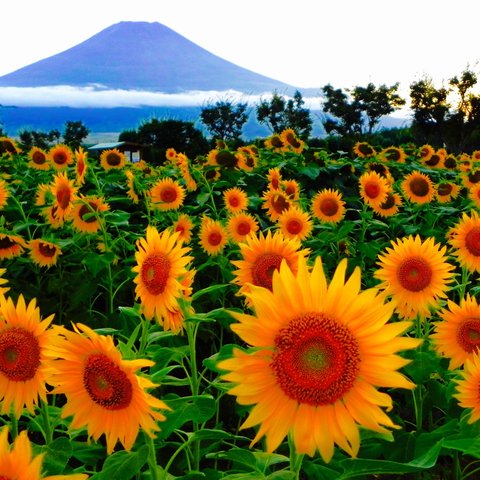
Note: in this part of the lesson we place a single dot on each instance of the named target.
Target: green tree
(224, 119)
(74, 133)
(278, 114)
(35, 138)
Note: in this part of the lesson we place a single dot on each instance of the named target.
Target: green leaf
(210, 289)
(117, 218)
(124, 465)
(312, 171)
(57, 455)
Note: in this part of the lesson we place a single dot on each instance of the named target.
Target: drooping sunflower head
(166, 194)
(465, 240)
(393, 155)
(38, 159)
(364, 150)
(235, 200)
(373, 188)
(328, 206)
(416, 274)
(274, 143)
(418, 187)
(87, 213)
(8, 146)
(390, 206)
(276, 202)
(446, 191)
(291, 141)
(295, 223)
(247, 158)
(43, 252)
(60, 156)
(213, 236)
(457, 334)
(81, 165)
(11, 245)
(317, 353)
(184, 226)
(241, 225)
(112, 159)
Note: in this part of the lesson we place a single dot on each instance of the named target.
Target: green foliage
(74, 133)
(224, 119)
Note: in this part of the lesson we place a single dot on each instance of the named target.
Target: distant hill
(141, 56)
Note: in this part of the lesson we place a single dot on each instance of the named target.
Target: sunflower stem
(296, 460)
(152, 458)
(47, 428)
(13, 425)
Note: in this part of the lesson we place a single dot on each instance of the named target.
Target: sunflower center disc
(155, 273)
(214, 239)
(46, 250)
(263, 268)
(280, 203)
(472, 241)
(168, 195)
(106, 383)
(316, 359)
(113, 159)
(329, 207)
(243, 228)
(19, 354)
(87, 212)
(60, 158)
(468, 335)
(372, 190)
(63, 197)
(414, 274)
(419, 187)
(294, 227)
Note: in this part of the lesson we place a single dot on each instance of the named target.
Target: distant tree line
(446, 116)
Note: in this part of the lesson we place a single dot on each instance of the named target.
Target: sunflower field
(269, 312)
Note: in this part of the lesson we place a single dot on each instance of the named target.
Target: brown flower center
(106, 383)
(472, 241)
(46, 249)
(316, 359)
(155, 272)
(263, 268)
(19, 354)
(468, 335)
(39, 158)
(329, 207)
(6, 243)
(113, 159)
(279, 203)
(294, 226)
(60, 158)
(419, 187)
(414, 274)
(87, 212)
(168, 194)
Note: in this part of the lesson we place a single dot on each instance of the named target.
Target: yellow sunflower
(468, 386)
(60, 156)
(11, 245)
(9, 146)
(274, 143)
(43, 195)
(295, 223)
(167, 194)
(18, 463)
(184, 226)
(104, 392)
(86, 213)
(44, 253)
(425, 152)
(38, 159)
(415, 273)
(470, 178)
(112, 159)
(435, 161)
(446, 191)
(274, 178)
(213, 236)
(162, 262)
(318, 353)
(474, 195)
(364, 150)
(235, 200)
(291, 142)
(449, 163)
(247, 158)
(81, 165)
(275, 202)
(132, 190)
(328, 206)
(390, 206)
(64, 192)
(291, 188)
(261, 256)
(373, 188)
(418, 187)
(241, 225)
(457, 335)
(4, 193)
(3, 281)
(171, 155)
(222, 158)
(25, 340)
(393, 154)
(465, 240)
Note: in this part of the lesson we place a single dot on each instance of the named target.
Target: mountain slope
(141, 56)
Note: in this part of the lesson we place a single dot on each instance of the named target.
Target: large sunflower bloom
(112, 159)
(60, 156)
(457, 335)
(328, 206)
(44, 253)
(38, 159)
(465, 239)
(161, 266)
(418, 187)
(235, 200)
(261, 256)
(468, 387)
(18, 463)
(213, 236)
(319, 352)
(415, 273)
(373, 188)
(167, 194)
(103, 391)
(295, 223)
(24, 343)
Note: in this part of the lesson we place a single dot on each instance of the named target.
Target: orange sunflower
(449, 163)
(435, 161)
(38, 159)
(274, 178)
(418, 187)
(474, 195)
(81, 165)
(86, 213)
(364, 150)
(44, 253)
(3, 281)
(276, 202)
(295, 223)
(470, 178)
(328, 206)
(274, 143)
(291, 188)
(60, 156)
(415, 274)
(373, 188)
(447, 191)
(241, 225)
(25, 340)
(162, 262)
(184, 226)
(465, 239)
(247, 158)
(291, 142)
(261, 256)
(222, 158)
(425, 152)
(4, 193)
(468, 386)
(235, 200)
(457, 335)
(317, 354)
(64, 192)
(18, 463)
(167, 194)
(11, 245)
(393, 154)
(213, 236)
(9, 146)
(390, 206)
(104, 392)
(132, 190)
(112, 159)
